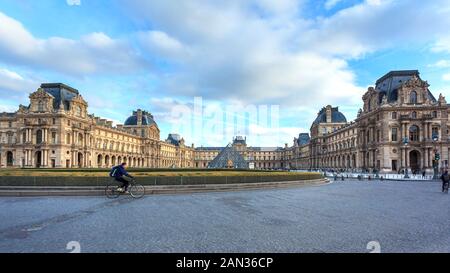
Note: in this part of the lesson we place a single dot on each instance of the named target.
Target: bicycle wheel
(111, 190)
(137, 190)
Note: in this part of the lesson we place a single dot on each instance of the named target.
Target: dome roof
(303, 139)
(336, 116)
(147, 118)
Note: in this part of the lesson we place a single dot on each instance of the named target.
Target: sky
(210, 70)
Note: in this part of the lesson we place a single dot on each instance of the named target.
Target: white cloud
(441, 64)
(329, 4)
(446, 77)
(442, 45)
(92, 53)
(73, 2)
(236, 54)
(13, 85)
(7, 108)
(159, 43)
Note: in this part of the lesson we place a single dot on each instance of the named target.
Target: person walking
(445, 177)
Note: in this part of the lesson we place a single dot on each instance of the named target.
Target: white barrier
(385, 176)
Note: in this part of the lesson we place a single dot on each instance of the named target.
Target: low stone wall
(149, 180)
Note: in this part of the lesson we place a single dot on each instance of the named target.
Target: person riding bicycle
(445, 177)
(119, 173)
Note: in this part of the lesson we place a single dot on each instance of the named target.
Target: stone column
(425, 131)
(407, 158)
(26, 158)
(425, 157)
(429, 131)
(402, 159)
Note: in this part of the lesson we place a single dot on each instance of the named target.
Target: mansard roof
(388, 84)
(336, 116)
(62, 93)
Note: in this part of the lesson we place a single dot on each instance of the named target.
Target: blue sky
(291, 56)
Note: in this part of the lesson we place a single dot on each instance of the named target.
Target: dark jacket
(445, 178)
(119, 171)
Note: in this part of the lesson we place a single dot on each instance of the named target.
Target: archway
(9, 159)
(38, 157)
(80, 160)
(99, 160)
(414, 161)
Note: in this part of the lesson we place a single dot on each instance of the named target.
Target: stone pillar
(26, 158)
(425, 131)
(425, 158)
(406, 158)
(429, 131)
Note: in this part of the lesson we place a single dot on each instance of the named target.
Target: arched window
(80, 139)
(413, 97)
(414, 133)
(78, 111)
(40, 106)
(414, 114)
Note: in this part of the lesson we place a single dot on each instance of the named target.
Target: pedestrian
(423, 174)
(445, 179)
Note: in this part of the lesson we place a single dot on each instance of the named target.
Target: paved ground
(341, 217)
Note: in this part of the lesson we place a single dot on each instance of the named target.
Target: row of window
(414, 114)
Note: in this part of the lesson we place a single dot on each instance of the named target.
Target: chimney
(329, 114)
(139, 117)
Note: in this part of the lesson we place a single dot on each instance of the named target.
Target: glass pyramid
(228, 158)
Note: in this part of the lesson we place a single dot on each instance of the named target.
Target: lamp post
(405, 143)
(436, 159)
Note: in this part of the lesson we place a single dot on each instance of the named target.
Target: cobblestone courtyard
(340, 217)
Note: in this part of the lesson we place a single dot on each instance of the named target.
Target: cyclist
(445, 177)
(119, 173)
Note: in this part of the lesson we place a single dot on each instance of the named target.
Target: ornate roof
(147, 118)
(303, 139)
(389, 84)
(336, 116)
(63, 94)
(174, 139)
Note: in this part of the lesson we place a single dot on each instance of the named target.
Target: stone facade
(56, 131)
(401, 126)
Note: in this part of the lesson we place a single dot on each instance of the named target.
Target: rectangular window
(394, 115)
(394, 165)
(53, 137)
(394, 134)
(435, 133)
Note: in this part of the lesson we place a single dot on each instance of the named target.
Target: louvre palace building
(401, 126)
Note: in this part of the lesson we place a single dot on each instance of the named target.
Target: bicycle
(135, 190)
